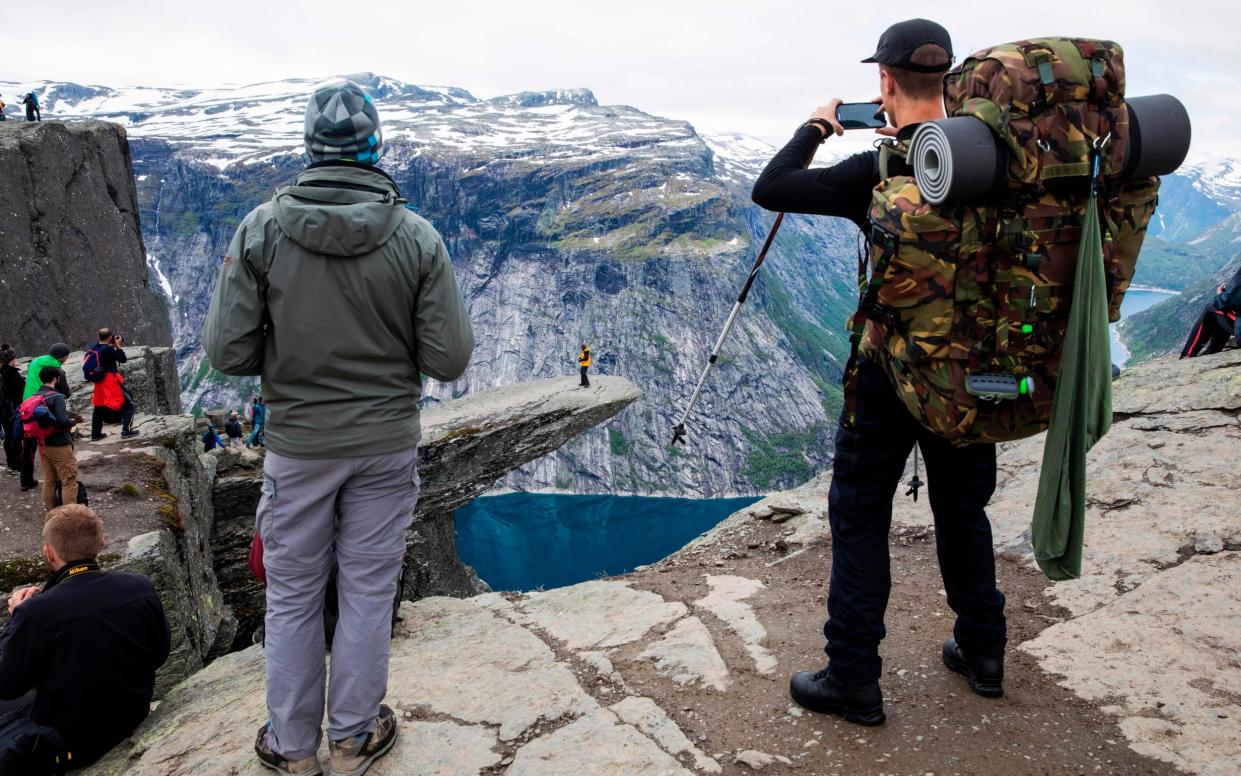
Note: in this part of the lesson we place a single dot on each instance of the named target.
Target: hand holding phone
(860, 115)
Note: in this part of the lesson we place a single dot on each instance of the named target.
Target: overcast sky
(757, 67)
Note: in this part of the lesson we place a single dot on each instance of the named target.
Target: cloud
(758, 68)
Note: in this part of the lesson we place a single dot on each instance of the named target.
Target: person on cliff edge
(1218, 322)
(111, 400)
(336, 259)
(583, 361)
(78, 658)
(31, 101)
(912, 57)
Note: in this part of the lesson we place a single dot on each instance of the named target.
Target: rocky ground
(682, 667)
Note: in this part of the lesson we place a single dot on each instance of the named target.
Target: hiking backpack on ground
(967, 304)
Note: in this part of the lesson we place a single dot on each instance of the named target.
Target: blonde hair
(74, 531)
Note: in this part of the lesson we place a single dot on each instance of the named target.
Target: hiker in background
(83, 648)
(3, 117)
(1218, 321)
(371, 283)
(56, 357)
(211, 439)
(258, 421)
(232, 427)
(111, 400)
(52, 432)
(31, 101)
(583, 360)
(871, 453)
(12, 385)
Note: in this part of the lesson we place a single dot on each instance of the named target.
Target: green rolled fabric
(1081, 415)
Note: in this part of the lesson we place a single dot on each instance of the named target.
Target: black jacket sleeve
(842, 190)
(57, 405)
(19, 655)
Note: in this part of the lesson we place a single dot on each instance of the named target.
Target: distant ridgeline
(571, 222)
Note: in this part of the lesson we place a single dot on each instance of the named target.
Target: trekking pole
(678, 431)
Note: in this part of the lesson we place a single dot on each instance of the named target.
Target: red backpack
(37, 420)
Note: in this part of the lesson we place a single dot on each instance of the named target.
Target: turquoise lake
(524, 541)
(1135, 301)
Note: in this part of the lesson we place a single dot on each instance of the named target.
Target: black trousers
(585, 379)
(870, 461)
(28, 748)
(1210, 334)
(30, 450)
(101, 415)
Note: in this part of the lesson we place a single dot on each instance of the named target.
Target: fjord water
(1136, 300)
(524, 541)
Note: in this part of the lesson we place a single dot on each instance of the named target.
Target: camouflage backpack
(967, 304)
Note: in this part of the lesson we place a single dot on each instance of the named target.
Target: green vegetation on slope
(777, 460)
(1162, 329)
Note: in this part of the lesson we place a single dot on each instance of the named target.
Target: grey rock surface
(72, 258)
(150, 377)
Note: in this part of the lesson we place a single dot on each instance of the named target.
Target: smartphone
(861, 115)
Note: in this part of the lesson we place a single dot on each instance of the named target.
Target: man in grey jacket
(340, 298)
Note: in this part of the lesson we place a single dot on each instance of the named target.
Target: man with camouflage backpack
(871, 451)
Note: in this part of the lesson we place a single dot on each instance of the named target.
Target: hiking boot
(985, 675)
(353, 756)
(820, 692)
(94, 438)
(308, 766)
(129, 434)
(31, 486)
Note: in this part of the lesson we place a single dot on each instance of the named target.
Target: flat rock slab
(1166, 659)
(727, 601)
(597, 743)
(688, 655)
(598, 614)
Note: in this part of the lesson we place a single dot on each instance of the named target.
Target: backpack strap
(867, 304)
(887, 149)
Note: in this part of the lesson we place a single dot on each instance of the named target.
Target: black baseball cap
(898, 43)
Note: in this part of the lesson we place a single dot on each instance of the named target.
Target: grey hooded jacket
(339, 297)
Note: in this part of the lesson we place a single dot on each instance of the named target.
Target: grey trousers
(351, 512)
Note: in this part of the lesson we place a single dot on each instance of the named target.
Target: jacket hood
(339, 210)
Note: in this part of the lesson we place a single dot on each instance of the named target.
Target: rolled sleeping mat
(1159, 135)
(957, 159)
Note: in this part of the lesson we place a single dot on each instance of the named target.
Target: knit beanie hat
(59, 350)
(342, 123)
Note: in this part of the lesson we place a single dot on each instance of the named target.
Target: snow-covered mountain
(568, 222)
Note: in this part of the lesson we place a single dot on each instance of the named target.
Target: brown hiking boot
(353, 756)
(308, 766)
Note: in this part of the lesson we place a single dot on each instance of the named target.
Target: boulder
(150, 376)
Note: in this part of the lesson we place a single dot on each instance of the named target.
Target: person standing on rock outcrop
(583, 360)
(87, 643)
(111, 400)
(258, 419)
(12, 385)
(336, 260)
(54, 439)
(31, 101)
(56, 356)
(871, 453)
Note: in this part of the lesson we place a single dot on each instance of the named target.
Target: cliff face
(72, 256)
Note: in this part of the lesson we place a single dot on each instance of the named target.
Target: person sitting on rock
(111, 400)
(54, 439)
(80, 653)
(583, 360)
(12, 384)
(232, 427)
(370, 283)
(56, 357)
(258, 420)
(1218, 321)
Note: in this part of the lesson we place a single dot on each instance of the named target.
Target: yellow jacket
(584, 358)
